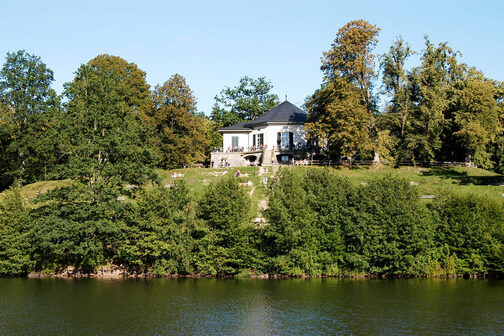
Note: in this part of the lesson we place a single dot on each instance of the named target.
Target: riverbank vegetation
(318, 223)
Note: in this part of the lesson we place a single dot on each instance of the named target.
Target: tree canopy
(28, 115)
(108, 99)
(342, 110)
(180, 134)
(247, 101)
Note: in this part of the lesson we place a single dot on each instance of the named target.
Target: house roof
(236, 127)
(283, 113)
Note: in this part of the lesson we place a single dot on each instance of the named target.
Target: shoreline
(124, 276)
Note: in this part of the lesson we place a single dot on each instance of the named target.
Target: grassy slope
(198, 178)
(431, 181)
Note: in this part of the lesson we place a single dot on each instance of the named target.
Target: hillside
(430, 181)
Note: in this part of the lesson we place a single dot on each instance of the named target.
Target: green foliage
(338, 120)
(390, 230)
(397, 85)
(341, 112)
(381, 227)
(351, 58)
(29, 110)
(107, 101)
(179, 134)
(158, 236)
(14, 231)
(318, 224)
(432, 87)
(77, 226)
(226, 242)
(476, 118)
(305, 231)
(470, 234)
(247, 101)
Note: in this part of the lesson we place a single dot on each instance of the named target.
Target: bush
(391, 230)
(470, 234)
(14, 233)
(227, 239)
(158, 235)
(76, 226)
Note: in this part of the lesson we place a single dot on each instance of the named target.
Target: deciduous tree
(29, 108)
(432, 86)
(250, 99)
(396, 84)
(107, 102)
(476, 119)
(180, 133)
(342, 111)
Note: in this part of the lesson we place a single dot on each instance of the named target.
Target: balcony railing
(239, 149)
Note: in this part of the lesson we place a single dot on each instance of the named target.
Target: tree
(350, 57)
(432, 87)
(396, 84)
(77, 226)
(107, 104)
(342, 111)
(304, 235)
(158, 237)
(212, 135)
(179, 131)
(476, 119)
(390, 231)
(470, 234)
(29, 115)
(225, 244)
(247, 101)
(339, 121)
(14, 234)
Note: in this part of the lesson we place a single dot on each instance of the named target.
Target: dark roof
(236, 127)
(283, 113)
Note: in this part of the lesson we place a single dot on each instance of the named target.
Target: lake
(250, 307)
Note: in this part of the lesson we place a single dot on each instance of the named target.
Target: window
(234, 142)
(285, 140)
(260, 139)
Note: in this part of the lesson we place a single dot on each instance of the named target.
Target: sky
(215, 43)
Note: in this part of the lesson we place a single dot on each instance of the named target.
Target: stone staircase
(268, 158)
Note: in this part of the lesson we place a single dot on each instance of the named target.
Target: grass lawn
(198, 178)
(431, 181)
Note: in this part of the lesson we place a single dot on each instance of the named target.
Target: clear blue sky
(214, 43)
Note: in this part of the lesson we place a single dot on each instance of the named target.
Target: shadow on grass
(462, 177)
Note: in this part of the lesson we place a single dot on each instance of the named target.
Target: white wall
(270, 134)
(243, 140)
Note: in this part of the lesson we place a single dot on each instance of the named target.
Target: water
(250, 307)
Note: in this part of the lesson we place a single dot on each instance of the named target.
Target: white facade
(269, 132)
(241, 140)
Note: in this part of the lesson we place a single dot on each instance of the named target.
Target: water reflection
(251, 307)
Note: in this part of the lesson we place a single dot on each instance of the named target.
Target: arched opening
(252, 160)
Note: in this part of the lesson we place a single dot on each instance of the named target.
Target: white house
(278, 136)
